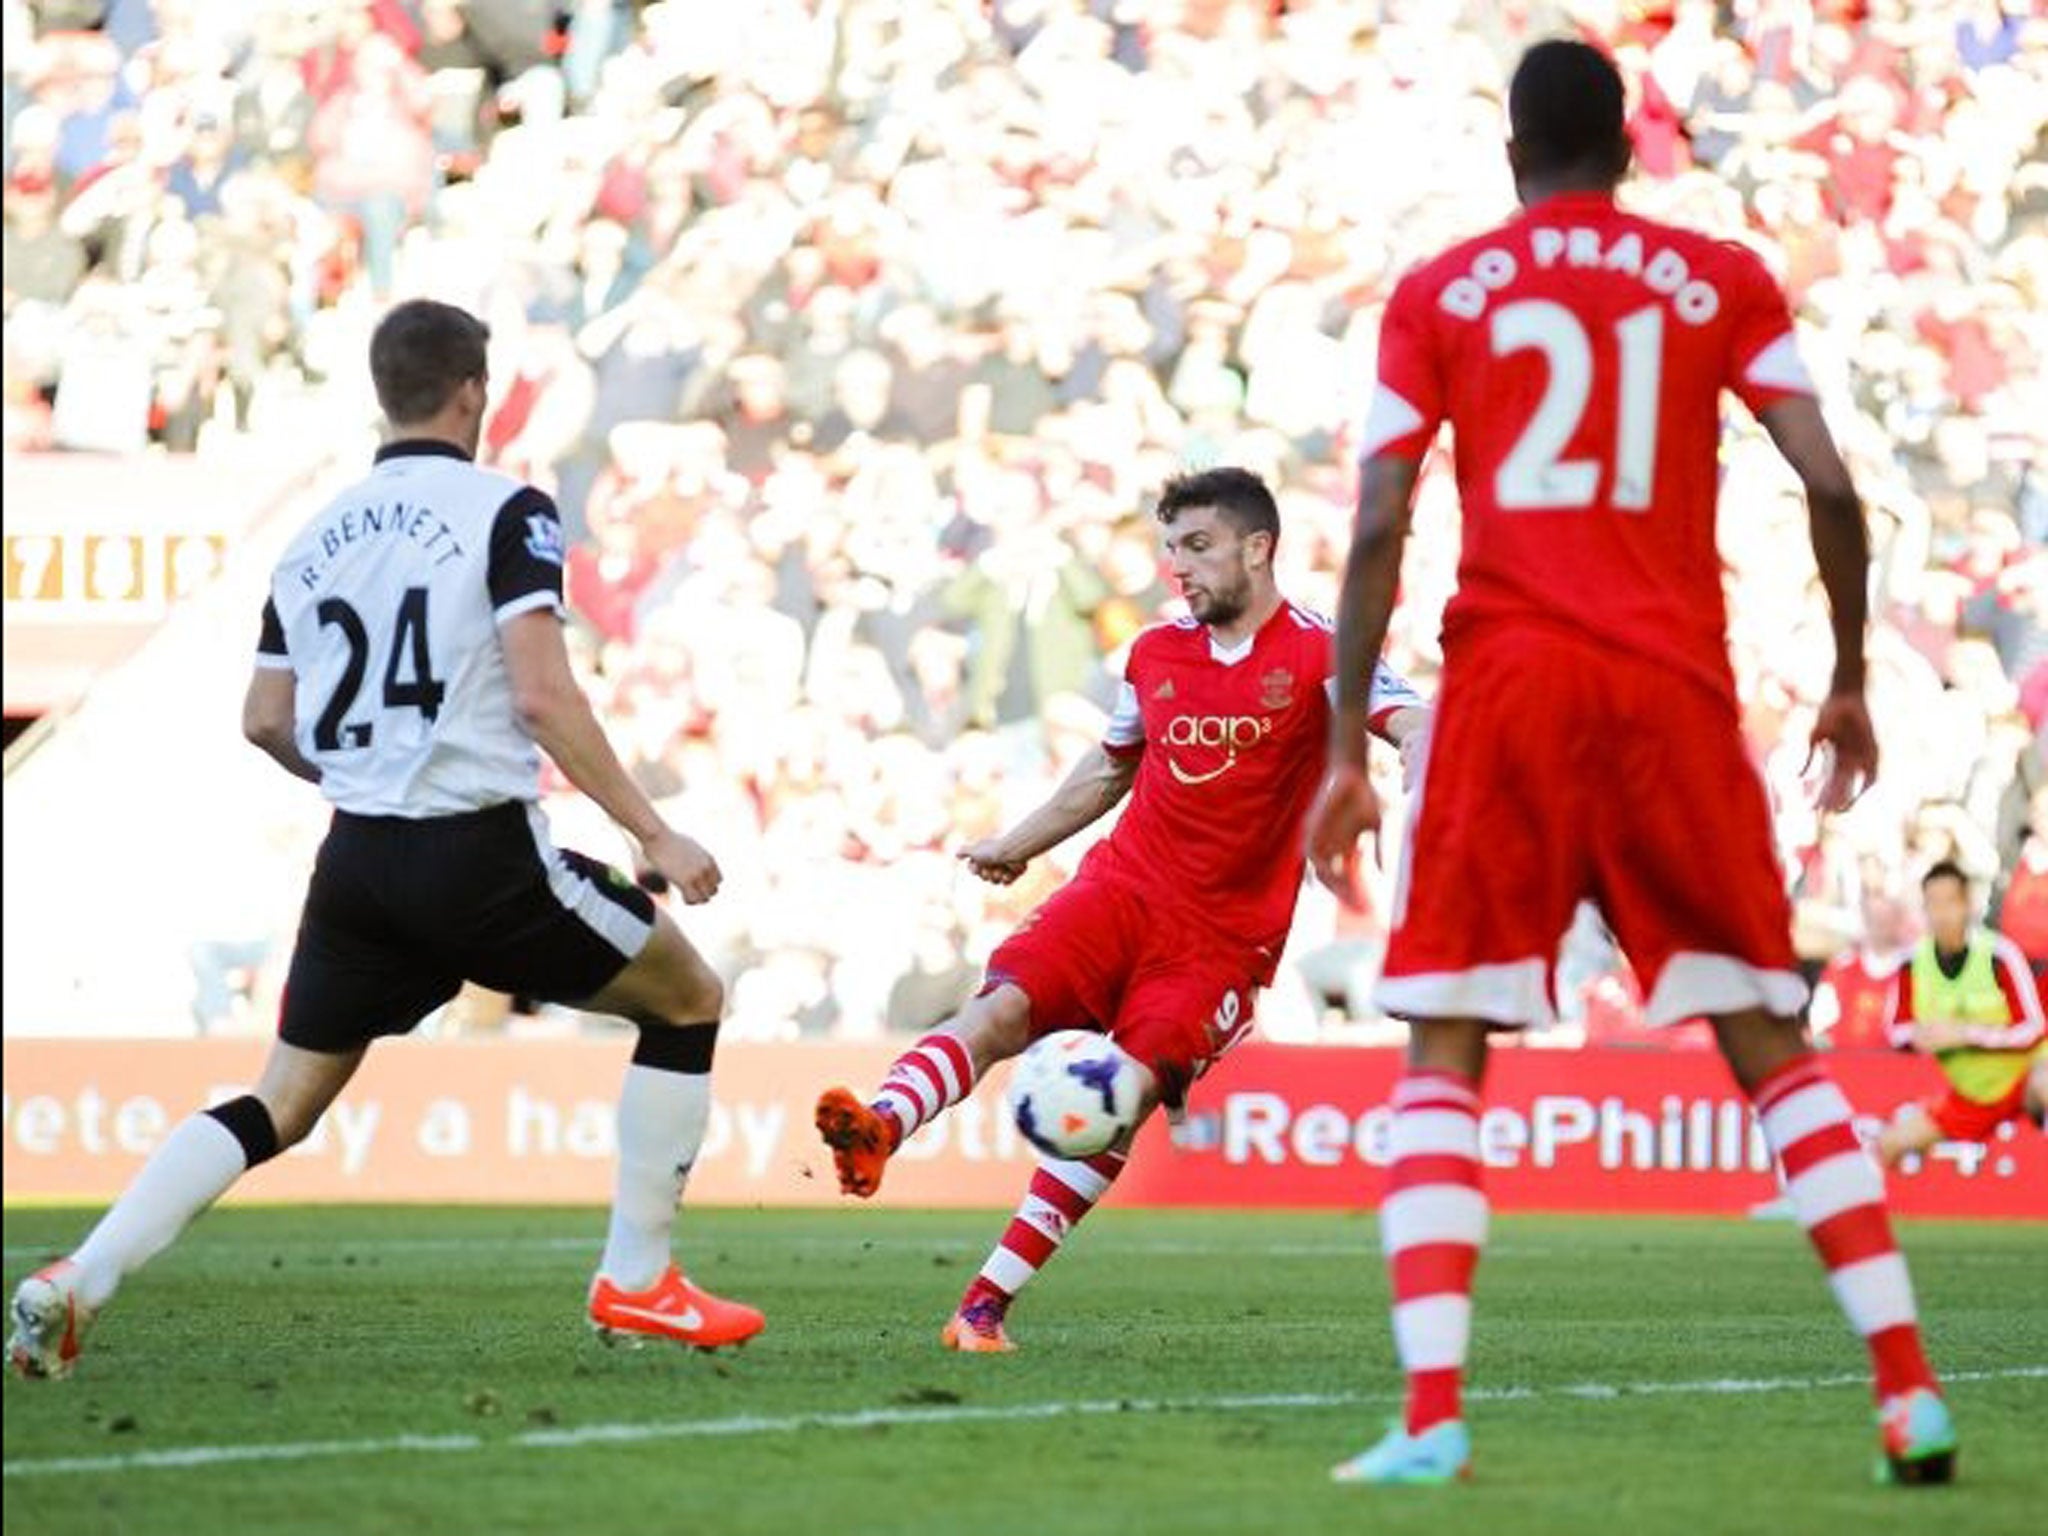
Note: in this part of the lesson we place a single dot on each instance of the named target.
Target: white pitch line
(338, 1249)
(185, 1457)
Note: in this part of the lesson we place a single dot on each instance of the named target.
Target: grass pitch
(407, 1369)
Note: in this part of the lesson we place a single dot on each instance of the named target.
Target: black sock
(676, 1047)
(249, 1122)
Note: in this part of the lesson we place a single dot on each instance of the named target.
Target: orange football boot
(861, 1139)
(671, 1308)
(977, 1329)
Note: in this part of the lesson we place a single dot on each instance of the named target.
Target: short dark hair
(1945, 869)
(1566, 109)
(1238, 494)
(421, 353)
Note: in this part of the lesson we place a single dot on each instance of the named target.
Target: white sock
(191, 1170)
(661, 1125)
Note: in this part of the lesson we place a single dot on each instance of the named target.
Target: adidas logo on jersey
(1164, 690)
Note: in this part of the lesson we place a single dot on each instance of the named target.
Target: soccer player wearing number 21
(411, 664)
(1587, 742)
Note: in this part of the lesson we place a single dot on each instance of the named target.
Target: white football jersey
(386, 608)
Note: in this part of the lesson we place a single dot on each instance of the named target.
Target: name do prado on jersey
(1661, 270)
(423, 525)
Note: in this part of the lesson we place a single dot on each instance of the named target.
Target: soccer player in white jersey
(411, 664)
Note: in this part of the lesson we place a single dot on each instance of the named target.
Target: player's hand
(989, 862)
(684, 863)
(1845, 744)
(1345, 810)
(1932, 1035)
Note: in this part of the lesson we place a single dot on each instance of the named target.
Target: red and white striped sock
(930, 1077)
(1062, 1192)
(1837, 1193)
(1432, 1226)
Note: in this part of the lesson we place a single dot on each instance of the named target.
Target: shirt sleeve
(1124, 736)
(1408, 397)
(1825, 1011)
(1899, 1018)
(525, 569)
(271, 654)
(1764, 365)
(2022, 1000)
(1390, 692)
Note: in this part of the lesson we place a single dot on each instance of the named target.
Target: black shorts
(401, 912)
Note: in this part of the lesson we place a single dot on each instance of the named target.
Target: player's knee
(688, 995)
(996, 1025)
(701, 998)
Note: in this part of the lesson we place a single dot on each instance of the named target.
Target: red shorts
(1560, 772)
(1961, 1119)
(1098, 955)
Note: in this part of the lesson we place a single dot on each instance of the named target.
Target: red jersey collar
(1566, 201)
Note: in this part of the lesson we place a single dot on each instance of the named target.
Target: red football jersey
(1579, 354)
(1862, 988)
(1233, 743)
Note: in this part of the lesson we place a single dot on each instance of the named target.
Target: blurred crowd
(853, 335)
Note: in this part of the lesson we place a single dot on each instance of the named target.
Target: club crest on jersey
(544, 538)
(1276, 689)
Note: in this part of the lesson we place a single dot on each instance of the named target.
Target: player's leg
(1187, 1003)
(1433, 1222)
(342, 991)
(194, 1167)
(1063, 1191)
(1837, 1194)
(938, 1070)
(1911, 1130)
(1717, 942)
(346, 986)
(572, 929)
(1493, 869)
(204, 1156)
(676, 999)
(1061, 968)
(942, 1067)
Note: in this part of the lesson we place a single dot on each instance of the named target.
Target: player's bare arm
(1841, 548)
(269, 722)
(1931, 1035)
(1346, 807)
(553, 708)
(1097, 784)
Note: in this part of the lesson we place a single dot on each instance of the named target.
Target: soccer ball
(1075, 1092)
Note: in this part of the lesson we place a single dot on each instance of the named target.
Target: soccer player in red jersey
(1586, 741)
(1174, 920)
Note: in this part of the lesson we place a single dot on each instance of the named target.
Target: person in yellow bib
(1967, 998)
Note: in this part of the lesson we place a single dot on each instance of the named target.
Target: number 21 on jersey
(1535, 473)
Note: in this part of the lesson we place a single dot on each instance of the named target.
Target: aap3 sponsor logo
(1210, 734)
